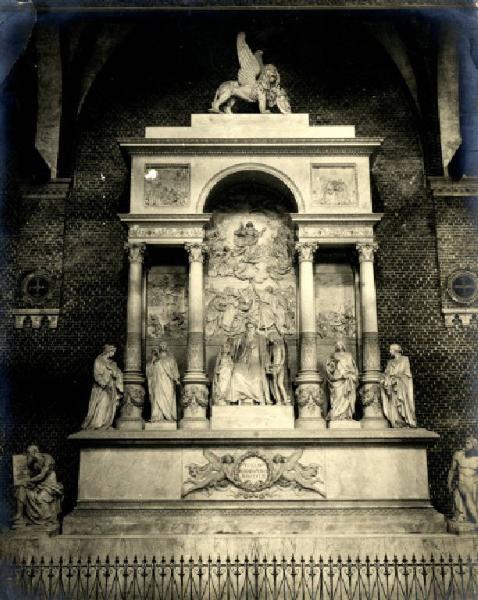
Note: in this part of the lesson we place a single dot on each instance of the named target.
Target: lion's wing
(250, 67)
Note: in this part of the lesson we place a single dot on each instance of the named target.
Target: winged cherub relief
(256, 82)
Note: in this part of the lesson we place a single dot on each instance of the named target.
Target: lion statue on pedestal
(256, 82)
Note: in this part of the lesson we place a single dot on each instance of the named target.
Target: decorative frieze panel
(164, 232)
(351, 232)
(333, 185)
(166, 185)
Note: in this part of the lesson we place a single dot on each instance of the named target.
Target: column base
(195, 400)
(310, 400)
(130, 418)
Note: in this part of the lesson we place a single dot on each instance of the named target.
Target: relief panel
(167, 303)
(250, 274)
(333, 185)
(166, 185)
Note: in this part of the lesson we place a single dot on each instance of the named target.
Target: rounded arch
(274, 176)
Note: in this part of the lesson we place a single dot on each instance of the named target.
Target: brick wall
(167, 70)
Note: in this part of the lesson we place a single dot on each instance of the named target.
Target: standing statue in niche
(221, 385)
(249, 384)
(397, 390)
(163, 377)
(463, 484)
(342, 377)
(106, 392)
(37, 492)
(279, 363)
(256, 82)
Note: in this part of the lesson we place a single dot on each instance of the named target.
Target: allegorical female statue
(342, 377)
(106, 392)
(397, 390)
(221, 385)
(249, 384)
(38, 494)
(163, 376)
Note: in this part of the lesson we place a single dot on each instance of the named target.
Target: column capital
(196, 251)
(306, 250)
(135, 252)
(366, 250)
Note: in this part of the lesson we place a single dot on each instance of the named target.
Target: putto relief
(166, 303)
(166, 185)
(250, 275)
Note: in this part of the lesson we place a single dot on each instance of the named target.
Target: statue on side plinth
(106, 392)
(342, 377)
(249, 384)
(163, 376)
(256, 82)
(37, 491)
(397, 390)
(463, 484)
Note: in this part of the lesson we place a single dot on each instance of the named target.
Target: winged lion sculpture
(256, 82)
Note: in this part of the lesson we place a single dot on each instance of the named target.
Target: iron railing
(247, 579)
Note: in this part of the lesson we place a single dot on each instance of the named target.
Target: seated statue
(249, 384)
(38, 493)
(342, 377)
(463, 484)
(106, 392)
(397, 390)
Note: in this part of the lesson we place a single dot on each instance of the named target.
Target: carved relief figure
(37, 492)
(342, 377)
(249, 383)
(256, 82)
(278, 369)
(463, 483)
(106, 392)
(163, 377)
(334, 323)
(397, 390)
(167, 304)
(221, 385)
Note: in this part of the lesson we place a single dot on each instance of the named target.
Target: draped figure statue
(221, 384)
(249, 384)
(278, 369)
(163, 376)
(106, 391)
(397, 390)
(342, 377)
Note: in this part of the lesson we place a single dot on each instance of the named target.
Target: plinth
(253, 482)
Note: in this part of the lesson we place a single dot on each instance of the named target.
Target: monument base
(161, 426)
(252, 417)
(344, 424)
(287, 481)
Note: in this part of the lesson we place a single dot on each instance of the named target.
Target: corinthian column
(373, 417)
(309, 392)
(131, 410)
(195, 392)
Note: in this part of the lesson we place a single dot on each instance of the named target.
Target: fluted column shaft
(133, 378)
(195, 396)
(370, 378)
(309, 393)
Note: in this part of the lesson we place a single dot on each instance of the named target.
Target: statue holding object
(463, 485)
(37, 491)
(342, 377)
(397, 390)
(106, 392)
(256, 82)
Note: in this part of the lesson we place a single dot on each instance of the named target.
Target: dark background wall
(167, 68)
